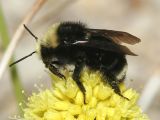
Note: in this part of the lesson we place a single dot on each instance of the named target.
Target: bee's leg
(76, 75)
(114, 83)
(55, 71)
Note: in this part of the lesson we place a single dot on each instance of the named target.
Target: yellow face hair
(49, 39)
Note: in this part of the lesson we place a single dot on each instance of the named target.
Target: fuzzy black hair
(70, 31)
(76, 26)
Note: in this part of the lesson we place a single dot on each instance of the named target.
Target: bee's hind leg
(114, 83)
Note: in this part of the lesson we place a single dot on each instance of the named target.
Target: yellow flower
(66, 102)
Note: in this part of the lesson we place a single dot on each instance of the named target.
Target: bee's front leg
(55, 71)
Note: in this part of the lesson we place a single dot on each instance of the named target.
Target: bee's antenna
(22, 59)
(36, 38)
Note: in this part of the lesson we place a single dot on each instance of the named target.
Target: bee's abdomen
(109, 61)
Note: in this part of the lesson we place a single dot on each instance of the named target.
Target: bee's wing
(109, 40)
(106, 45)
(117, 36)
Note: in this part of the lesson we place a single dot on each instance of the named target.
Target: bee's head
(49, 40)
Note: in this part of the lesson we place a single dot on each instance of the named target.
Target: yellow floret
(64, 101)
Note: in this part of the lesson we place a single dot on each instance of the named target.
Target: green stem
(17, 86)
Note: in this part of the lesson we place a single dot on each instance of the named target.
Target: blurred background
(138, 17)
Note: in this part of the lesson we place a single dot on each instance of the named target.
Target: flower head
(64, 101)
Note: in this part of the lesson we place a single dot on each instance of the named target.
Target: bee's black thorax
(70, 32)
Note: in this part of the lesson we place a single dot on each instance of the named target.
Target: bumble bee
(72, 43)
